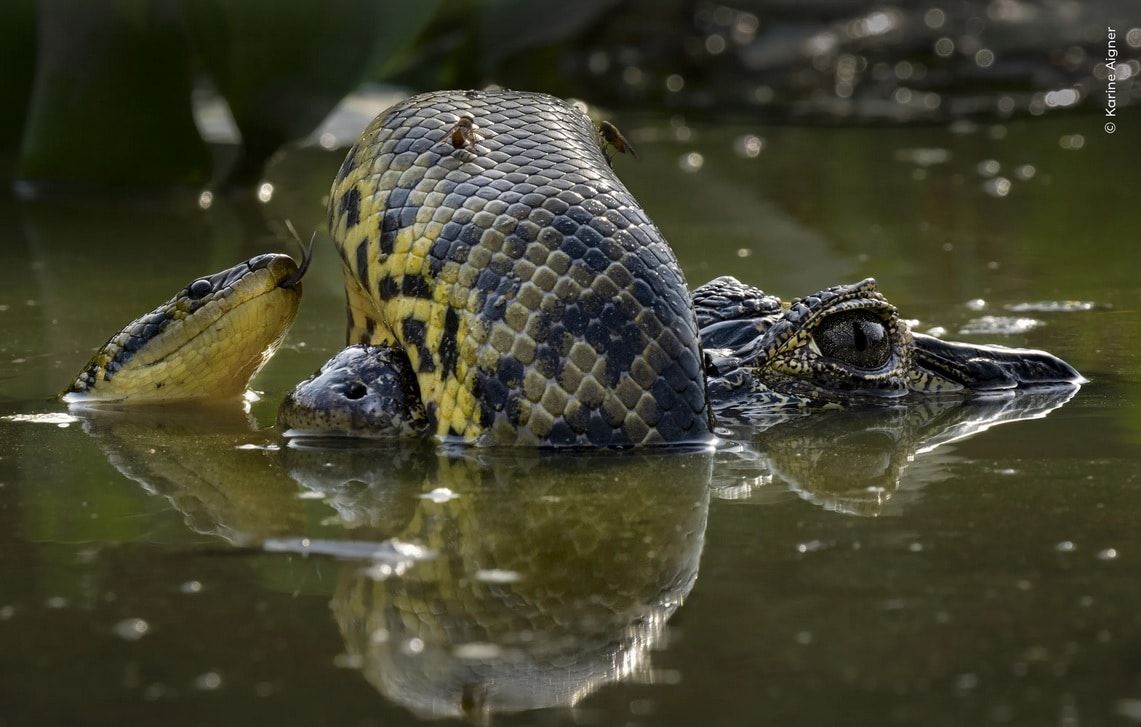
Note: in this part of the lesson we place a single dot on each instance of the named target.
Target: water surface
(935, 565)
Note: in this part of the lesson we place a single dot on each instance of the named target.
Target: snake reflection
(543, 576)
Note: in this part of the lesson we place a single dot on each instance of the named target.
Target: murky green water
(931, 566)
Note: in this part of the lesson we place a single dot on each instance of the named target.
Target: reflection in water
(553, 575)
(189, 455)
(853, 461)
(475, 582)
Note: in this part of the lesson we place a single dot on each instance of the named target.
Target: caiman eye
(199, 289)
(857, 338)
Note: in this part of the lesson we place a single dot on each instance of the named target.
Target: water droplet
(498, 575)
(984, 58)
(976, 304)
(1107, 554)
(1066, 546)
(439, 495)
(748, 146)
(1025, 172)
(1072, 142)
(988, 168)
(208, 682)
(191, 587)
(56, 602)
(1061, 98)
(413, 646)
(265, 192)
(691, 162)
(477, 650)
(131, 629)
(205, 199)
(997, 187)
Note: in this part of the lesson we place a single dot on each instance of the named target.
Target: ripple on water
(923, 156)
(1052, 306)
(1000, 325)
(59, 419)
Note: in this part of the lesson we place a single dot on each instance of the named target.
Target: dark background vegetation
(101, 92)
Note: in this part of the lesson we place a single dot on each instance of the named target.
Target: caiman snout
(990, 368)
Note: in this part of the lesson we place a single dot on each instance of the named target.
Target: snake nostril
(355, 390)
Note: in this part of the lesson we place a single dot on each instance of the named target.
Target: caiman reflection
(854, 461)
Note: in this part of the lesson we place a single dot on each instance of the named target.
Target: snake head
(206, 342)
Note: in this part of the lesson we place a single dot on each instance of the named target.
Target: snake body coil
(485, 234)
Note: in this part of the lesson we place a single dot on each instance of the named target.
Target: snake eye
(199, 289)
(858, 339)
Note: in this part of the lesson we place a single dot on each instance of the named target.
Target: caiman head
(845, 344)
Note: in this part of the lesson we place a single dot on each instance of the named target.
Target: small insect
(609, 137)
(464, 132)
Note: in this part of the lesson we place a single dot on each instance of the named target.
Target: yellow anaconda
(484, 233)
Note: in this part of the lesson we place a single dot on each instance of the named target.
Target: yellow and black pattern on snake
(207, 341)
(536, 301)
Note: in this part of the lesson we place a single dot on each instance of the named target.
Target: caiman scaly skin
(484, 233)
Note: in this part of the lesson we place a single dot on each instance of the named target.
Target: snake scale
(486, 235)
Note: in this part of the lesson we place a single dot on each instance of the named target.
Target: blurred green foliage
(283, 66)
(17, 64)
(111, 104)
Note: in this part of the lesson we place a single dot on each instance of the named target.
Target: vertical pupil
(861, 342)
